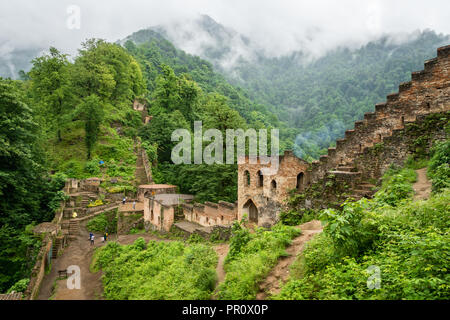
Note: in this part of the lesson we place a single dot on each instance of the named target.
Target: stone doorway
(252, 211)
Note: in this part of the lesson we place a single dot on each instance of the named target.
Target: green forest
(73, 117)
(322, 97)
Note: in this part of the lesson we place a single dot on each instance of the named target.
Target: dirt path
(222, 252)
(422, 187)
(280, 273)
(78, 253)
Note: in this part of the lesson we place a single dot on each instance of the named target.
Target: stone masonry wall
(382, 138)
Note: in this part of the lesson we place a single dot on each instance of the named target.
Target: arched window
(273, 185)
(247, 177)
(300, 178)
(260, 179)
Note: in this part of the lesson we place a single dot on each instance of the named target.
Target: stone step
(366, 186)
(346, 168)
(345, 173)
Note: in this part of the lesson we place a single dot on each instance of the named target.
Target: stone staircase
(427, 93)
(349, 174)
(141, 175)
(74, 227)
(57, 245)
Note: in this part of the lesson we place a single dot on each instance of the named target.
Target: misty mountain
(319, 97)
(222, 46)
(12, 61)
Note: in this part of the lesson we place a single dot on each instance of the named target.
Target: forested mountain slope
(153, 51)
(318, 98)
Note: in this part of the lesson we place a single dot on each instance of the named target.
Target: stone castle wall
(382, 138)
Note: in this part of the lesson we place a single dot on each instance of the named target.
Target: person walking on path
(134, 205)
(92, 240)
(124, 200)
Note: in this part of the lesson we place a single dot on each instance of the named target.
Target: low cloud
(275, 27)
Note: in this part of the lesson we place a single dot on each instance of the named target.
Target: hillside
(152, 51)
(318, 98)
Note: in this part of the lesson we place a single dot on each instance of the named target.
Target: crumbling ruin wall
(410, 119)
(426, 93)
(210, 214)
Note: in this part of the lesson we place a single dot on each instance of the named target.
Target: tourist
(124, 200)
(106, 236)
(90, 236)
(134, 205)
(92, 240)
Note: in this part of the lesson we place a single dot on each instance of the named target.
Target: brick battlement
(428, 92)
(261, 198)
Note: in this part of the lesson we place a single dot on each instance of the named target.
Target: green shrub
(409, 243)
(20, 286)
(251, 257)
(157, 271)
(297, 217)
(439, 169)
(396, 187)
(104, 221)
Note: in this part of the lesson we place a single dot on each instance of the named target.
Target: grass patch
(251, 257)
(157, 270)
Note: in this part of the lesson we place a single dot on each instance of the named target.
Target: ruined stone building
(410, 119)
(138, 105)
(260, 196)
(211, 214)
(160, 209)
(155, 189)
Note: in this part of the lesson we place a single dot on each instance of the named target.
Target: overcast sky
(279, 26)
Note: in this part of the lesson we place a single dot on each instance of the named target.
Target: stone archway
(300, 181)
(251, 210)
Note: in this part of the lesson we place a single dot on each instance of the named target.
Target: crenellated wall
(426, 93)
(382, 138)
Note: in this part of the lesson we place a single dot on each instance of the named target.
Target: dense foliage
(322, 97)
(28, 195)
(439, 166)
(251, 257)
(153, 51)
(85, 110)
(406, 241)
(176, 103)
(157, 271)
(104, 222)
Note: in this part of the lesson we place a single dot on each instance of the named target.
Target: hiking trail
(422, 187)
(280, 273)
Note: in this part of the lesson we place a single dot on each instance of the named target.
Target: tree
(107, 70)
(91, 112)
(160, 131)
(51, 87)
